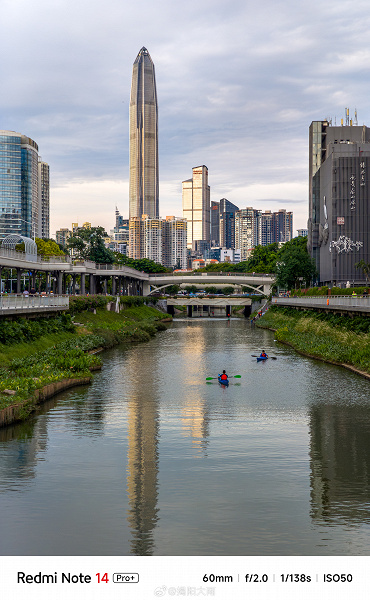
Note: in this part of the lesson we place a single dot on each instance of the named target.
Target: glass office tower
(144, 184)
(19, 185)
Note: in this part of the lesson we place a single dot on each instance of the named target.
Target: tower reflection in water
(340, 463)
(143, 463)
(144, 401)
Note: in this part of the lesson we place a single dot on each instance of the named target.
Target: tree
(140, 264)
(365, 268)
(48, 247)
(262, 259)
(45, 247)
(293, 263)
(88, 244)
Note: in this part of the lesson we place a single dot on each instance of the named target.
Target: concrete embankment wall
(18, 412)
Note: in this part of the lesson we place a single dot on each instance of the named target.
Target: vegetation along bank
(40, 357)
(341, 340)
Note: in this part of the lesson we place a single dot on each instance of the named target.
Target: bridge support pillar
(114, 285)
(189, 310)
(91, 284)
(83, 284)
(33, 279)
(60, 283)
(19, 273)
(105, 286)
(146, 288)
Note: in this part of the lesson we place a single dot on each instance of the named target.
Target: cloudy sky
(238, 85)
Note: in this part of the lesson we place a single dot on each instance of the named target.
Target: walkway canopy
(30, 247)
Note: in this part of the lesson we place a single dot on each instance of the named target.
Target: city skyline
(237, 93)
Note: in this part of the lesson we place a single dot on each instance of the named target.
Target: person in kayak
(224, 376)
(263, 354)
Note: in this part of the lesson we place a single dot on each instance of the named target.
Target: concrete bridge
(260, 284)
(207, 307)
(125, 280)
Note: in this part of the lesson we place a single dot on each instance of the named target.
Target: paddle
(208, 378)
(258, 356)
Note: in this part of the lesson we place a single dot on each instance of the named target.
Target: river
(150, 459)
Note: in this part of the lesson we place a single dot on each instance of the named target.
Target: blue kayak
(223, 381)
(261, 358)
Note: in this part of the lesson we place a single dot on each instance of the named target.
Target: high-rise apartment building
(151, 238)
(196, 205)
(283, 226)
(227, 223)
(174, 254)
(62, 236)
(144, 183)
(44, 199)
(276, 227)
(245, 231)
(339, 197)
(20, 210)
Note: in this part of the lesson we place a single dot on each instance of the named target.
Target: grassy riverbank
(37, 353)
(330, 337)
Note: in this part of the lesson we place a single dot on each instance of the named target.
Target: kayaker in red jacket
(223, 377)
(263, 354)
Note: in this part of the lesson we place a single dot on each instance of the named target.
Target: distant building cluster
(24, 188)
(223, 230)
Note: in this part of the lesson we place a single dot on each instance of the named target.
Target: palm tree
(365, 267)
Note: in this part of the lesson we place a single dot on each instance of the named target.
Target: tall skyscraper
(196, 205)
(215, 223)
(339, 196)
(227, 223)
(24, 187)
(144, 185)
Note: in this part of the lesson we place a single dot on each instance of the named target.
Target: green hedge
(21, 330)
(130, 301)
(334, 291)
(331, 337)
(79, 304)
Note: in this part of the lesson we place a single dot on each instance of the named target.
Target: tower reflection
(143, 462)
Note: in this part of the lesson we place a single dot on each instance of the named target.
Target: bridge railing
(22, 302)
(8, 253)
(317, 301)
(212, 274)
(118, 267)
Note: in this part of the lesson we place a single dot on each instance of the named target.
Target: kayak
(223, 381)
(261, 358)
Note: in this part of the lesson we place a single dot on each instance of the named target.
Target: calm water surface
(151, 459)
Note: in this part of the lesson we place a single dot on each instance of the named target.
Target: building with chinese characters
(339, 194)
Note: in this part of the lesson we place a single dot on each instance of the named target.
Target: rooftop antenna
(347, 116)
